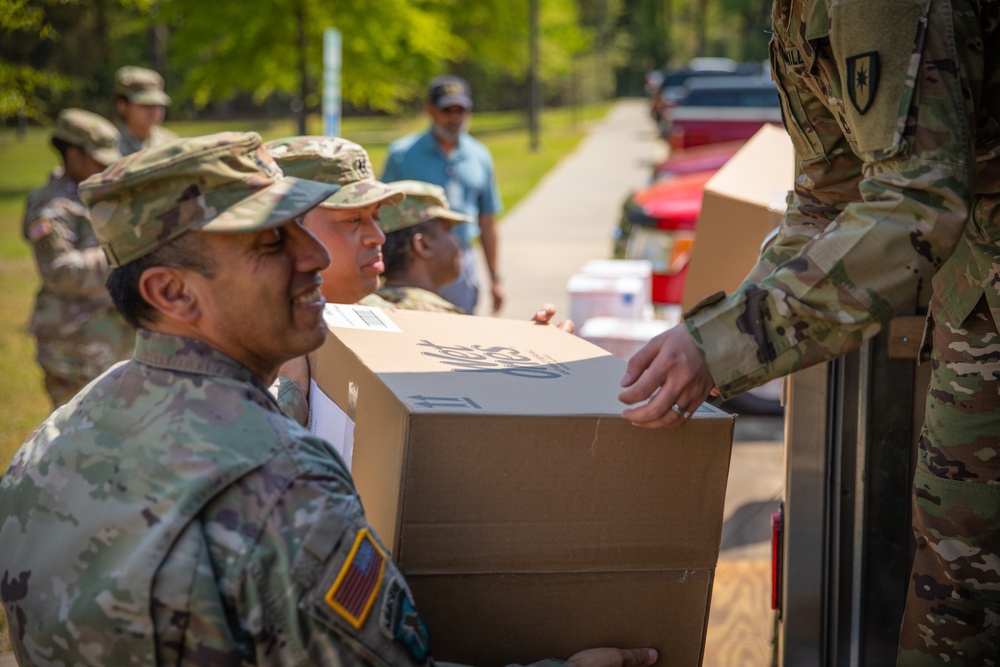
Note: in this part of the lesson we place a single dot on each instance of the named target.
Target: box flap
(450, 364)
(743, 202)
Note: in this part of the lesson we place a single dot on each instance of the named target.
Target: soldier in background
(78, 333)
(894, 112)
(347, 222)
(141, 105)
(170, 514)
(422, 253)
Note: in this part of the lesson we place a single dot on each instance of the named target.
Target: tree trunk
(300, 45)
(158, 35)
(701, 27)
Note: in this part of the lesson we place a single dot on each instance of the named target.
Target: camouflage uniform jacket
(195, 524)
(79, 332)
(375, 301)
(417, 298)
(132, 144)
(895, 118)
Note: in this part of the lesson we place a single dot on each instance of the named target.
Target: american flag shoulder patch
(39, 229)
(354, 591)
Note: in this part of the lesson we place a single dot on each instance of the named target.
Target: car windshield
(732, 97)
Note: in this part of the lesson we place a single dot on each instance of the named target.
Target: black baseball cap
(446, 91)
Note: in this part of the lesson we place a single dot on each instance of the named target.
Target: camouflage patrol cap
(96, 135)
(222, 182)
(334, 160)
(140, 86)
(424, 202)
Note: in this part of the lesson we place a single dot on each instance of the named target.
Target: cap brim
(105, 156)
(453, 100)
(271, 206)
(364, 193)
(152, 97)
(449, 216)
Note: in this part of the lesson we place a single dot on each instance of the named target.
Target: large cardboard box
(743, 202)
(531, 519)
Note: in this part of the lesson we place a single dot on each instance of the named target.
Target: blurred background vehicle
(673, 82)
(721, 109)
(701, 158)
(658, 224)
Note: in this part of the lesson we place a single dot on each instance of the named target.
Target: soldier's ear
(172, 293)
(420, 247)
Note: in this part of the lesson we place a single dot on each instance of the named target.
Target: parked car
(657, 223)
(701, 158)
(722, 109)
(674, 83)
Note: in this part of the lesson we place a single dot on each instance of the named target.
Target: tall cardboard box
(743, 203)
(531, 520)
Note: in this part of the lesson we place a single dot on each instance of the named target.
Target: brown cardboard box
(531, 520)
(743, 202)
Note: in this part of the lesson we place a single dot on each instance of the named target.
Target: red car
(658, 224)
(693, 160)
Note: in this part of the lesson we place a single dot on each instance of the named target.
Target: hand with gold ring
(668, 373)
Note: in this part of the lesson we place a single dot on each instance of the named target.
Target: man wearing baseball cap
(77, 331)
(141, 105)
(194, 522)
(446, 155)
(347, 222)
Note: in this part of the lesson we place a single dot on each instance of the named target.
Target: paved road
(568, 218)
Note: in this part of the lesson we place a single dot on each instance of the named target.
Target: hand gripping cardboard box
(530, 519)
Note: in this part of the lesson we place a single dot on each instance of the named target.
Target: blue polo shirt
(467, 175)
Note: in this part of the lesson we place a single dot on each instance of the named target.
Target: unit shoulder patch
(862, 83)
(400, 622)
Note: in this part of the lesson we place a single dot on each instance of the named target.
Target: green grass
(4, 638)
(24, 164)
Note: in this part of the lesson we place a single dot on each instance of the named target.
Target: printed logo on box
(496, 359)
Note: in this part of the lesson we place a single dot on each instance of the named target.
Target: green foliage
(22, 87)
(390, 48)
(4, 638)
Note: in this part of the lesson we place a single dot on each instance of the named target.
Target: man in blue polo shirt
(447, 156)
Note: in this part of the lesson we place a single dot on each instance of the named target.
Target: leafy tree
(57, 53)
(390, 47)
(21, 85)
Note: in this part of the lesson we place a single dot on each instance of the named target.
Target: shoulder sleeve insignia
(401, 622)
(39, 229)
(357, 585)
(862, 73)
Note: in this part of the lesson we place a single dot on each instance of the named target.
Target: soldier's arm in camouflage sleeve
(291, 399)
(67, 269)
(884, 244)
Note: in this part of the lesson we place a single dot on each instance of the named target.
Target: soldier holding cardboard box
(195, 523)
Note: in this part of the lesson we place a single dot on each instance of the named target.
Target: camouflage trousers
(953, 603)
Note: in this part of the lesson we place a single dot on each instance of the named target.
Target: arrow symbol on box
(445, 402)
